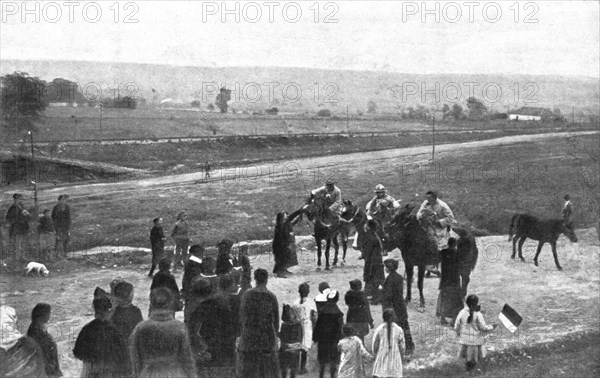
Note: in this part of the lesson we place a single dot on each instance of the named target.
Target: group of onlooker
(53, 230)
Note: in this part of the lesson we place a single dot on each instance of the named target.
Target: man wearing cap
(332, 195)
(437, 219)
(224, 259)
(61, 218)
(382, 208)
(17, 219)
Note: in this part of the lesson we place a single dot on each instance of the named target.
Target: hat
(65, 196)
(391, 264)
(17, 195)
(227, 242)
(196, 249)
(380, 189)
(329, 182)
(322, 286)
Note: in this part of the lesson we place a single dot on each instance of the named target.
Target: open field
(484, 182)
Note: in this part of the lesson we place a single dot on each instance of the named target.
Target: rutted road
(305, 167)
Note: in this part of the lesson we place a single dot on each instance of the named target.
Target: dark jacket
(290, 333)
(212, 322)
(373, 269)
(19, 223)
(191, 270)
(450, 268)
(392, 295)
(23, 360)
(166, 279)
(358, 307)
(48, 348)
(157, 235)
(329, 324)
(259, 320)
(282, 240)
(99, 343)
(61, 217)
(224, 263)
(125, 318)
(160, 347)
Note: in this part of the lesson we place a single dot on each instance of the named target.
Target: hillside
(319, 88)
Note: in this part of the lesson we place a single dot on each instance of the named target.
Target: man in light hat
(332, 195)
(382, 208)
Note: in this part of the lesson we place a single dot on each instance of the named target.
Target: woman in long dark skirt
(284, 247)
(372, 253)
(449, 301)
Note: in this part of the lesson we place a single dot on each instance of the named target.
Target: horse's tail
(474, 253)
(513, 224)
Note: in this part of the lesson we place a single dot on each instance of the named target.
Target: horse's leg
(464, 284)
(344, 247)
(409, 278)
(553, 244)
(420, 279)
(327, 246)
(336, 247)
(318, 252)
(514, 243)
(521, 241)
(537, 253)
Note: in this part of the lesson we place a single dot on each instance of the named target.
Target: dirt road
(314, 168)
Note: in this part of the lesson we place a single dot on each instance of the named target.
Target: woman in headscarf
(284, 245)
(372, 252)
(40, 315)
(100, 346)
(159, 347)
(126, 316)
(20, 356)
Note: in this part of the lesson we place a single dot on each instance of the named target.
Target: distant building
(530, 113)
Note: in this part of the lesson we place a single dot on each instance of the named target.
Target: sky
(502, 37)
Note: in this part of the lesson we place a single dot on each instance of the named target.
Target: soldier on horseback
(332, 195)
(437, 218)
(382, 208)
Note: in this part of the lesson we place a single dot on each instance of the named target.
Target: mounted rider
(332, 195)
(437, 218)
(382, 208)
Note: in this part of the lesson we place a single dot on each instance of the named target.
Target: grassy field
(484, 186)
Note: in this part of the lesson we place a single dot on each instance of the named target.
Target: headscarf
(9, 331)
(123, 292)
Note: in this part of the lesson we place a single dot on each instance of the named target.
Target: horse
(524, 226)
(406, 233)
(326, 227)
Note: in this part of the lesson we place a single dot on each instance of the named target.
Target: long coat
(372, 253)
(392, 298)
(157, 242)
(449, 300)
(48, 348)
(160, 348)
(100, 346)
(284, 249)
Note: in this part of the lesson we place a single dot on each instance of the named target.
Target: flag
(510, 318)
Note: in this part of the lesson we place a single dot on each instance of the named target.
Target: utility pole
(34, 182)
(433, 140)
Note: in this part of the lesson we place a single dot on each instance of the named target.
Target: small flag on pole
(510, 318)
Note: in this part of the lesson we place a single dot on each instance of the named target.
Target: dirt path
(305, 167)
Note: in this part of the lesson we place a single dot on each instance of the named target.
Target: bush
(324, 113)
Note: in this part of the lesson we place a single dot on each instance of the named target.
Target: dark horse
(352, 216)
(524, 226)
(407, 234)
(326, 227)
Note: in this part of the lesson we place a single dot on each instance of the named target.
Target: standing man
(437, 219)
(567, 210)
(207, 170)
(17, 219)
(61, 218)
(259, 323)
(182, 240)
(157, 242)
(332, 195)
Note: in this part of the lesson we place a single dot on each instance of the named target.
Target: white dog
(39, 268)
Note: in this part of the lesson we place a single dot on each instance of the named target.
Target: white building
(528, 113)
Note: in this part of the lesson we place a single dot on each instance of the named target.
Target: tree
(272, 111)
(22, 102)
(324, 113)
(63, 90)
(457, 112)
(222, 98)
(195, 104)
(210, 107)
(371, 107)
(477, 110)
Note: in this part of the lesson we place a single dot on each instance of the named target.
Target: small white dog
(39, 268)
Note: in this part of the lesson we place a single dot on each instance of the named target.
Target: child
(469, 327)
(290, 335)
(388, 347)
(46, 234)
(328, 333)
(307, 316)
(157, 242)
(352, 354)
(359, 311)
